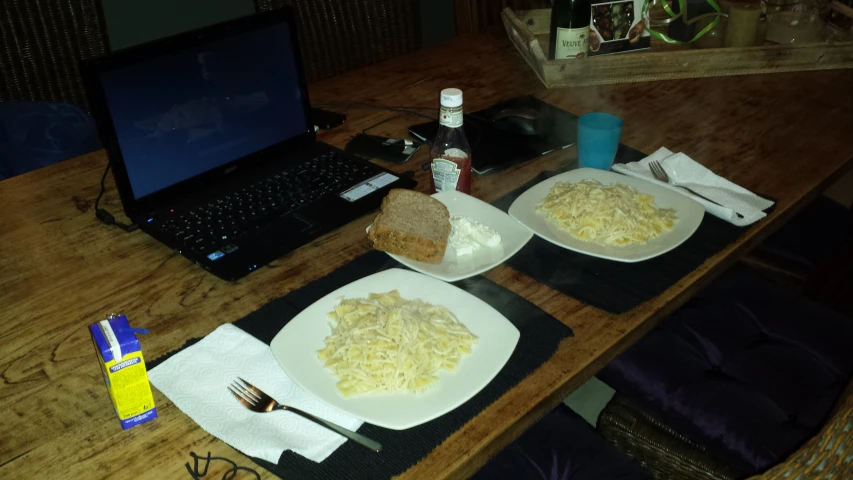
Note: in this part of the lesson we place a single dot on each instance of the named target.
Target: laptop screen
(192, 110)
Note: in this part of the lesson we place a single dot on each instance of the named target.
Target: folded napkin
(683, 170)
(196, 380)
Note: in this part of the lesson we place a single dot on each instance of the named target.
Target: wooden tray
(529, 31)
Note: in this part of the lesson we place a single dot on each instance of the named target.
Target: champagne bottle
(569, 29)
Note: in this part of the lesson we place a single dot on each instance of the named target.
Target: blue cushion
(746, 367)
(561, 446)
(38, 134)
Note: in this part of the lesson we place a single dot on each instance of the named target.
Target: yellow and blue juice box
(124, 370)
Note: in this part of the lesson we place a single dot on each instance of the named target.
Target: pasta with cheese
(385, 343)
(614, 215)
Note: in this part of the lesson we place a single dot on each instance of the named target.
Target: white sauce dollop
(470, 235)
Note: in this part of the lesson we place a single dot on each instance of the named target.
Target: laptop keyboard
(216, 225)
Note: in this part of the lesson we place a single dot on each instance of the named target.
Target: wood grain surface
(785, 135)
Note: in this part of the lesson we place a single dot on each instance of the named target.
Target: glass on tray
(794, 27)
(775, 6)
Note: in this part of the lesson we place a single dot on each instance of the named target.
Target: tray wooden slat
(526, 28)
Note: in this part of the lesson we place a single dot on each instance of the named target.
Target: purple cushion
(561, 446)
(746, 366)
(796, 241)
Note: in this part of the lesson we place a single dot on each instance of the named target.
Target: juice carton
(124, 370)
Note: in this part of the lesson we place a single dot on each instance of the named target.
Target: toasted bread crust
(408, 243)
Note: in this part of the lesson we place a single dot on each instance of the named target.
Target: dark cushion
(746, 366)
(38, 134)
(561, 446)
(797, 242)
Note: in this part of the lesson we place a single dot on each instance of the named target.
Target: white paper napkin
(196, 380)
(733, 199)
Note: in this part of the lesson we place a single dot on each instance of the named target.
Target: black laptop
(212, 149)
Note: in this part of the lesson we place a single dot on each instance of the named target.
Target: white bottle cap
(451, 97)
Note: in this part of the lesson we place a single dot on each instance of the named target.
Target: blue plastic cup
(598, 139)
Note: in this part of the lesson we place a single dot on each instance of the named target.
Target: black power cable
(228, 475)
(106, 217)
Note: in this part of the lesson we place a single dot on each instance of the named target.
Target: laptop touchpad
(295, 223)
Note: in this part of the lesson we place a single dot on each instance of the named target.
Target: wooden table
(786, 135)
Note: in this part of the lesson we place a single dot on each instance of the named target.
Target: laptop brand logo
(230, 169)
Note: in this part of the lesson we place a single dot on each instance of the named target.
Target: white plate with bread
(414, 229)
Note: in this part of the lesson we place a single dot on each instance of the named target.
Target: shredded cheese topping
(614, 215)
(385, 343)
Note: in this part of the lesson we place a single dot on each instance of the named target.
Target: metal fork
(660, 174)
(257, 401)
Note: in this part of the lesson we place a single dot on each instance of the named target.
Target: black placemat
(616, 287)
(401, 449)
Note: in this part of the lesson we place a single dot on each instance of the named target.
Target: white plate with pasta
(608, 215)
(477, 358)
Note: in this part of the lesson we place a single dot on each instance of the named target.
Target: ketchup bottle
(450, 152)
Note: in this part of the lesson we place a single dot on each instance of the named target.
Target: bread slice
(411, 224)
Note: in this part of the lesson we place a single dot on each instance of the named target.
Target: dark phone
(326, 120)
(388, 149)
